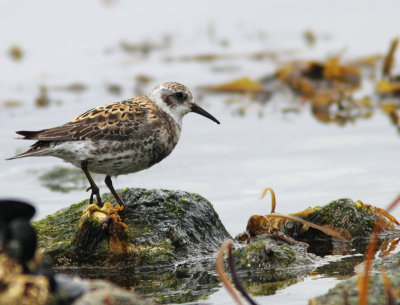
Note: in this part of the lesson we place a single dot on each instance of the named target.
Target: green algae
(280, 256)
(177, 210)
(348, 215)
(56, 232)
(350, 218)
(159, 230)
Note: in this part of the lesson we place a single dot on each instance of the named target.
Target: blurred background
(256, 66)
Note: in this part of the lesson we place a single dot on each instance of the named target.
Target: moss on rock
(345, 214)
(162, 227)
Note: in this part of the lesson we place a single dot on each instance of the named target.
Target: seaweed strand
(273, 199)
(222, 275)
(313, 225)
(388, 287)
(235, 278)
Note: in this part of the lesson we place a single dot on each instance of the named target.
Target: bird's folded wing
(118, 121)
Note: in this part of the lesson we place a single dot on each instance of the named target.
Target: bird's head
(177, 100)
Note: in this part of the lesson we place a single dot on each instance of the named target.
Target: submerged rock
(377, 292)
(268, 263)
(160, 228)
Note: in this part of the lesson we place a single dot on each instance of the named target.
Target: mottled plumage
(119, 138)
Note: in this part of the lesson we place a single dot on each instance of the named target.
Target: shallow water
(307, 162)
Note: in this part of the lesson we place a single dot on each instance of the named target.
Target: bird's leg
(111, 188)
(93, 186)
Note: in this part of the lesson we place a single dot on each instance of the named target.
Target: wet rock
(345, 214)
(162, 243)
(340, 227)
(268, 259)
(377, 292)
(162, 228)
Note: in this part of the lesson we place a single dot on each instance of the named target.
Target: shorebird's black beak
(201, 111)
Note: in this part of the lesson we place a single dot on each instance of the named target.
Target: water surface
(307, 162)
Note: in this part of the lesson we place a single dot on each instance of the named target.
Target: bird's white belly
(114, 157)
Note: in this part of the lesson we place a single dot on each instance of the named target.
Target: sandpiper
(119, 138)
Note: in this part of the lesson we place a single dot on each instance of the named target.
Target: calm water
(306, 162)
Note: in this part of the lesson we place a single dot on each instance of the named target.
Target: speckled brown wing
(118, 121)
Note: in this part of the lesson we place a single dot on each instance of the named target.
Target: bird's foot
(95, 192)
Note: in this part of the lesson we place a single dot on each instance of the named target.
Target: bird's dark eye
(179, 95)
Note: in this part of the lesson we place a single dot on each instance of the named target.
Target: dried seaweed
(242, 85)
(389, 59)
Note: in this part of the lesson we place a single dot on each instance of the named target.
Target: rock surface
(162, 228)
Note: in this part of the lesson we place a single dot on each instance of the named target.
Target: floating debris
(389, 59)
(389, 85)
(15, 52)
(330, 87)
(74, 87)
(262, 55)
(242, 85)
(145, 47)
(141, 81)
(114, 89)
(340, 108)
(309, 78)
(42, 100)
(309, 37)
(10, 104)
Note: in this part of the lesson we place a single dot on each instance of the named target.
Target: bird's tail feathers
(40, 148)
(29, 135)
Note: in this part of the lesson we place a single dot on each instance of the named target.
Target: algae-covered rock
(270, 259)
(161, 227)
(340, 227)
(352, 220)
(377, 292)
(162, 244)
(345, 214)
